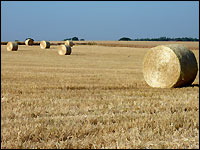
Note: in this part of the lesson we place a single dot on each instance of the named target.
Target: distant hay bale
(44, 44)
(12, 46)
(64, 50)
(29, 42)
(69, 43)
(168, 66)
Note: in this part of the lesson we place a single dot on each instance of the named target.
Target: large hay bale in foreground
(69, 43)
(29, 42)
(44, 44)
(64, 50)
(12, 46)
(167, 66)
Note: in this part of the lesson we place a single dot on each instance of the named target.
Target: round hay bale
(69, 43)
(44, 44)
(12, 46)
(168, 66)
(29, 42)
(64, 50)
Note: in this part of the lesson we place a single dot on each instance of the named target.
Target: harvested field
(94, 98)
(135, 44)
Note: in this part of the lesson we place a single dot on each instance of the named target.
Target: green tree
(75, 39)
(67, 39)
(125, 39)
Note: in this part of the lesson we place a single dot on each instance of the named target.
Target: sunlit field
(94, 98)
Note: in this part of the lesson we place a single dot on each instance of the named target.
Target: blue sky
(98, 20)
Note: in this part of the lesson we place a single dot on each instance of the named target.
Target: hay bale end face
(12, 46)
(168, 66)
(29, 42)
(64, 50)
(44, 44)
(69, 43)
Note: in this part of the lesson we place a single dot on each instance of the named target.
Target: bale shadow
(191, 85)
(194, 85)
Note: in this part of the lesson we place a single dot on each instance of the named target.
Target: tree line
(73, 39)
(160, 39)
(144, 39)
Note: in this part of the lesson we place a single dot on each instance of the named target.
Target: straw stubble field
(94, 98)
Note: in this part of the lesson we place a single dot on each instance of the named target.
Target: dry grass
(96, 98)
